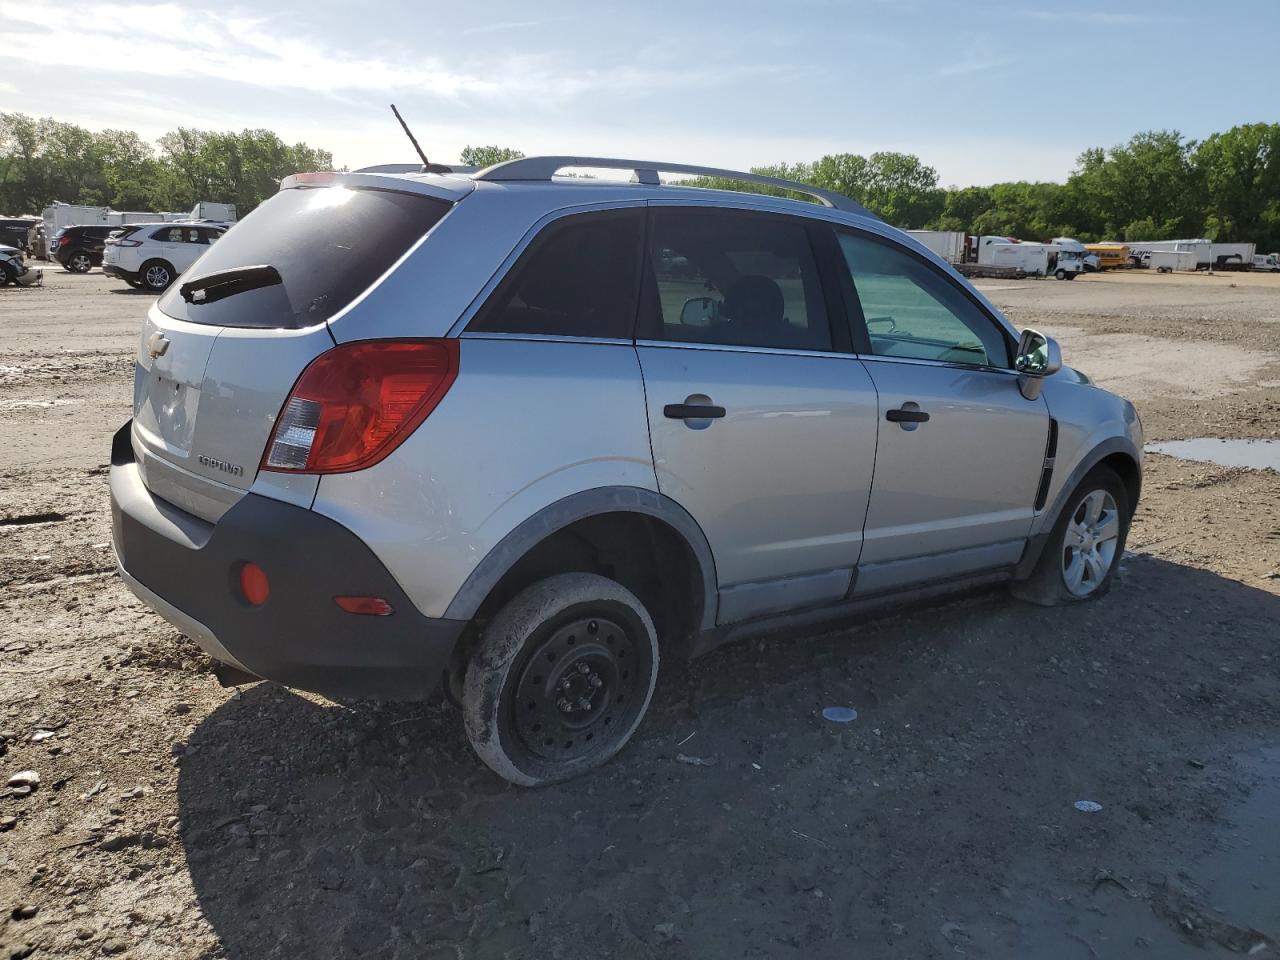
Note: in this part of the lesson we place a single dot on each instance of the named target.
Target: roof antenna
(427, 165)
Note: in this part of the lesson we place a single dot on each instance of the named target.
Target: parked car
(13, 270)
(153, 255)
(533, 436)
(16, 232)
(79, 249)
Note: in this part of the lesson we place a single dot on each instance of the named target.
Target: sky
(982, 90)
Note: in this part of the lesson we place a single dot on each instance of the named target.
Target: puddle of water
(1258, 454)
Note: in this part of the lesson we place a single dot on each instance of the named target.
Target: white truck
(1266, 262)
(1074, 258)
(1031, 259)
(950, 245)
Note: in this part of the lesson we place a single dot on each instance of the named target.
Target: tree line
(43, 160)
(1157, 185)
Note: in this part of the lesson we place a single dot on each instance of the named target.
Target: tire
(156, 275)
(560, 679)
(79, 262)
(5, 278)
(1052, 581)
(1061, 274)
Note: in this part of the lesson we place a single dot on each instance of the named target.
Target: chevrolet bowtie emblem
(157, 344)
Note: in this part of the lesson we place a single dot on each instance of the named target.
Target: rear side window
(329, 244)
(579, 278)
(734, 278)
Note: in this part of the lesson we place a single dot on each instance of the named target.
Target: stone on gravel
(119, 841)
(25, 911)
(8, 823)
(113, 947)
(25, 778)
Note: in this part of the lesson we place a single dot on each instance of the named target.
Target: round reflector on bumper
(254, 585)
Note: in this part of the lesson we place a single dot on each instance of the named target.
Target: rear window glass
(329, 244)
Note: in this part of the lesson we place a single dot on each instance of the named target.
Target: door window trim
(861, 333)
(828, 283)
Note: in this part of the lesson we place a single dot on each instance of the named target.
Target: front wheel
(1061, 274)
(560, 679)
(5, 278)
(1085, 545)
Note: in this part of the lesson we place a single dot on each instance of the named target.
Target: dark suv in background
(79, 249)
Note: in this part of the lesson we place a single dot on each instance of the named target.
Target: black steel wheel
(560, 679)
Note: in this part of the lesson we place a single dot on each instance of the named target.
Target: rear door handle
(692, 411)
(907, 416)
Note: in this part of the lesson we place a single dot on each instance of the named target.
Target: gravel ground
(174, 818)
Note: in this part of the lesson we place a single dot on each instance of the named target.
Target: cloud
(166, 40)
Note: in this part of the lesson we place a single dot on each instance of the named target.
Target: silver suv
(530, 434)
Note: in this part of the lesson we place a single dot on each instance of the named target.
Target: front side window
(914, 313)
(734, 278)
(578, 278)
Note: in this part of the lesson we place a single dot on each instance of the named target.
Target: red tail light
(356, 403)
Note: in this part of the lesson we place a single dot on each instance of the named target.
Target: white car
(152, 255)
(1266, 263)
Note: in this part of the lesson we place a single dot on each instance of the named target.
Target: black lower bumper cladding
(299, 636)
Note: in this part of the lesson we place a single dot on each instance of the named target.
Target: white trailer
(209, 210)
(948, 244)
(1203, 249)
(1167, 261)
(1232, 256)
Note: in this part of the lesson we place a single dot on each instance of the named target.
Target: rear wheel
(560, 679)
(156, 275)
(79, 262)
(1085, 545)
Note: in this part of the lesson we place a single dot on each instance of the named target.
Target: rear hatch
(222, 348)
(111, 249)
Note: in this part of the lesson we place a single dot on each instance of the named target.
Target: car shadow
(741, 823)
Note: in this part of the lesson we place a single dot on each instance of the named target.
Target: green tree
(1241, 174)
(488, 156)
(1152, 176)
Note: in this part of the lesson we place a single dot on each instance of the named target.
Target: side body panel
(780, 484)
(965, 479)
(527, 423)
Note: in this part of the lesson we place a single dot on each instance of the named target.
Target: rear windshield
(329, 244)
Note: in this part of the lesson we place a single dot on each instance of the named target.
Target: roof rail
(644, 171)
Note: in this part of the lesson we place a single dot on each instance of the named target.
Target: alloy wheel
(1089, 543)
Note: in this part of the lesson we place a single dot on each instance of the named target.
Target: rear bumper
(187, 571)
(111, 270)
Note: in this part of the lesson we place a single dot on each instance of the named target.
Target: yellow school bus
(1111, 256)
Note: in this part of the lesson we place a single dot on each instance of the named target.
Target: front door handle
(692, 411)
(907, 416)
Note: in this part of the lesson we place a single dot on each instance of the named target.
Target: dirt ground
(174, 818)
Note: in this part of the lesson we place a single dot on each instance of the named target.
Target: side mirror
(1038, 357)
(699, 312)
